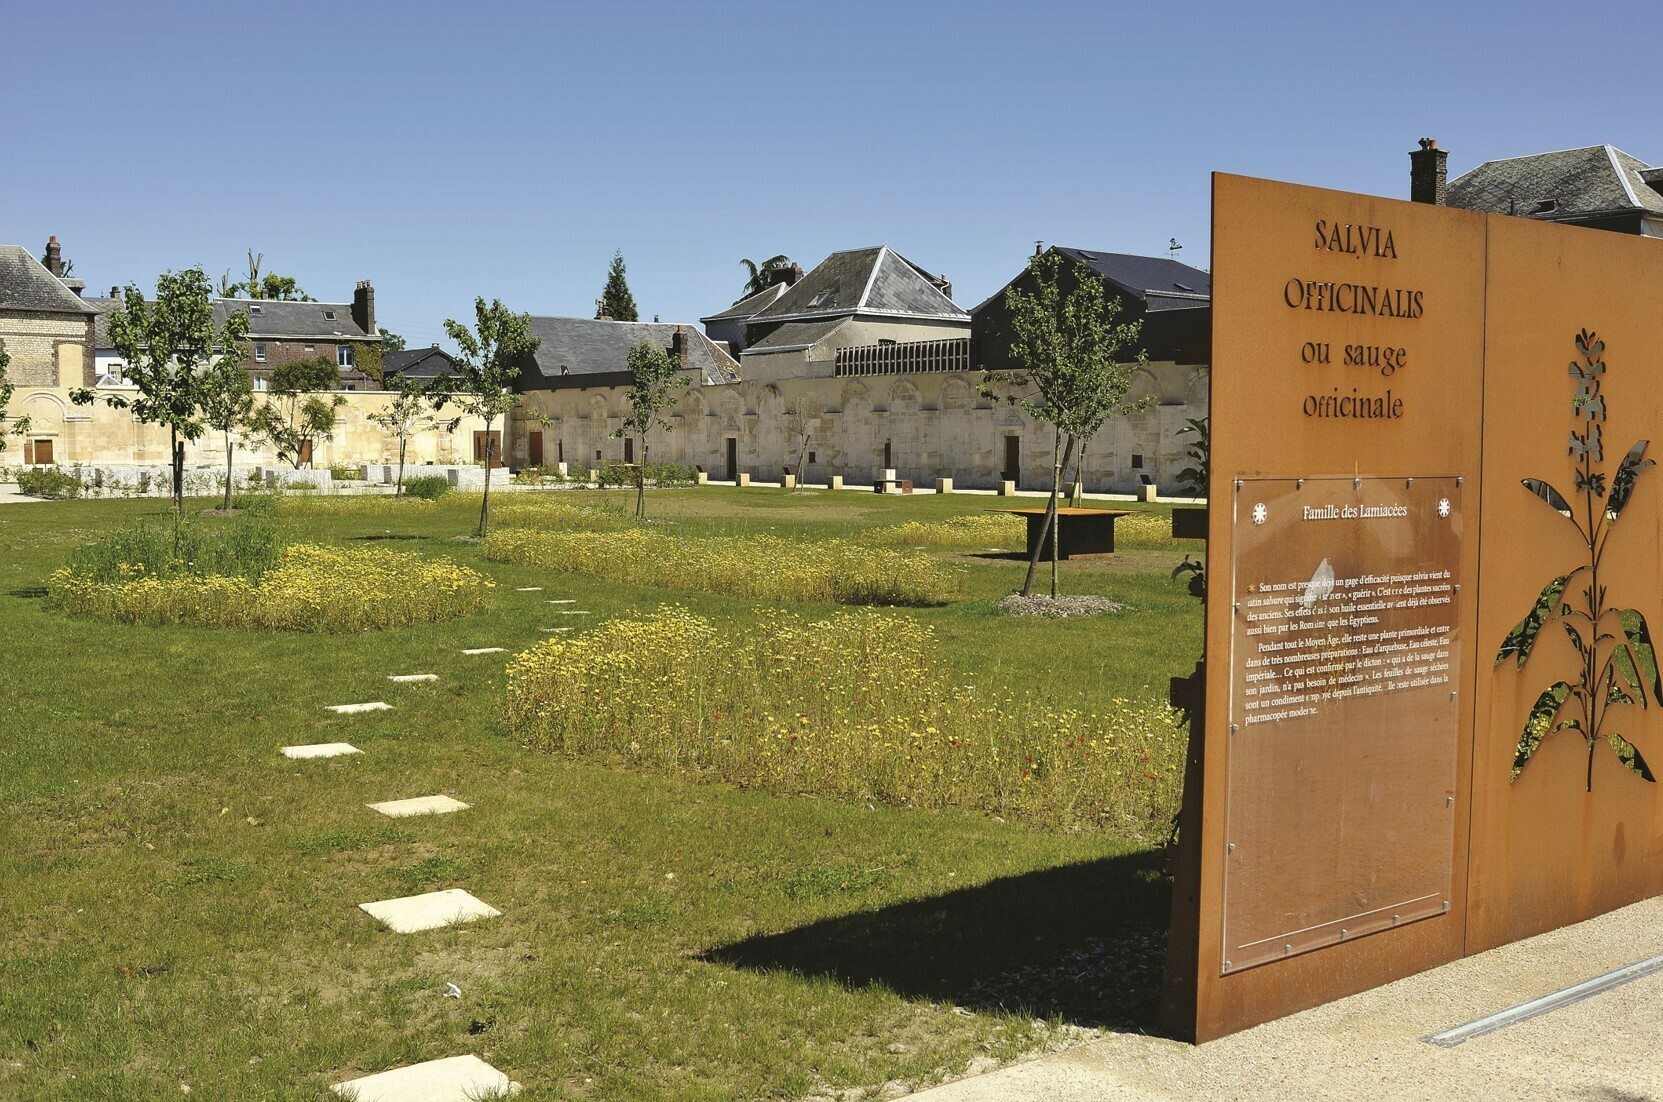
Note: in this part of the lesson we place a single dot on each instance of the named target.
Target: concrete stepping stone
(455, 1079)
(353, 709)
(430, 911)
(485, 650)
(321, 750)
(554, 629)
(563, 601)
(528, 589)
(575, 612)
(419, 805)
(408, 677)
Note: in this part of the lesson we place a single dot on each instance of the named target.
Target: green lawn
(179, 901)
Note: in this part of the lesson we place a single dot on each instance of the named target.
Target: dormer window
(254, 308)
(329, 315)
(820, 299)
(1185, 287)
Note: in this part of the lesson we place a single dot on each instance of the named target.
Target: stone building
(279, 332)
(47, 331)
(728, 326)
(1598, 186)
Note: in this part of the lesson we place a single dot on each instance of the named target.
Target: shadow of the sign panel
(1085, 943)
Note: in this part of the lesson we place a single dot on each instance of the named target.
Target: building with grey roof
(1598, 186)
(425, 364)
(46, 328)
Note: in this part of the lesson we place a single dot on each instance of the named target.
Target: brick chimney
(678, 345)
(1428, 173)
(54, 257)
(787, 274)
(363, 307)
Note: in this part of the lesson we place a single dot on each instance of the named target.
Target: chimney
(600, 310)
(1428, 173)
(1039, 247)
(679, 346)
(943, 284)
(54, 260)
(363, 307)
(115, 292)
(787, 274)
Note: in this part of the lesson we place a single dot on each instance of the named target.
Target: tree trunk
(229, 451)
(1056, 522)
(398, 488)
(1049, 524)
(178, 452)
(641, 481)
(1077, 493)
(485, 503)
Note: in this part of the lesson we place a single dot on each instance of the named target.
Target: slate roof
(877, 281)
(795, 334)
(277, 320)
(748, 307)
(1566, 184)
(101, 323)
(1159, 284)
(418, 363)
(593, 347)
(25, 284)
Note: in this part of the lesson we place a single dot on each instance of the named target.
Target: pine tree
(616, 301)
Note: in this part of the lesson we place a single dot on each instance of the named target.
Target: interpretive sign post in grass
(1385, 784)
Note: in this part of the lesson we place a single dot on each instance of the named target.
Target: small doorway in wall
(534, 449)
(629, 449)
(733, 459)
(488, 440)
(1013, 459)
(305, 453)
(888, 455)
(560, 451)
(37, 451)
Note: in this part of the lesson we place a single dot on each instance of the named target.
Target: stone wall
(100, 436)
(935, 425)
(47, 349)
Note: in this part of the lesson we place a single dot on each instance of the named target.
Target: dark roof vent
(1545, 206)
(1185, 287)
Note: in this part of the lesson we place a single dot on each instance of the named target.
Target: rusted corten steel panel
(1395, 392)
(1278, 414)
(1557, 845)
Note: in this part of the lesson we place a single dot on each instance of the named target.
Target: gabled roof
(1156, 282)
(25, 284)
(276, 319)
(1555, 187)
(793, 335)
(596, 347)
(877, 281)
(418, 363)
(747, 308)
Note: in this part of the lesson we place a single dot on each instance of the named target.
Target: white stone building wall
(45, 349)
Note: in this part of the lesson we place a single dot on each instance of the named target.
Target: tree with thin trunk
(492, 354)
(409, 414)
(656, 374)
(799, 430)
(1072, 378)
(167, 345)
(616, 301)
(298, 414)
(228, 403)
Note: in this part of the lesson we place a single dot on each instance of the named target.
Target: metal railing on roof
(904, 358)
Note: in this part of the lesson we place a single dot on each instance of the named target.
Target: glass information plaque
(1343, 715)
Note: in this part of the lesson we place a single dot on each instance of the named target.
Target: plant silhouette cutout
(1614, 645)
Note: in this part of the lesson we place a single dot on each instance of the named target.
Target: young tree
(1072, 378)
(390, 341)
(9, 425)
(167, 344)
(758, 281)
(228, 401)
(280, 288)
(297, 414)
(408, 414)
(616, 301)
(657, 374)
(799, 433)
(490, 360)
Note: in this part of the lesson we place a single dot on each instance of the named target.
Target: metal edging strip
(1556, 1000)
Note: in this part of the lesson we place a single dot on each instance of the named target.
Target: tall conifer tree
(616, 300)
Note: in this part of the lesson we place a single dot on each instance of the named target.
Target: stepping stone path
(321, 750)
(351, 709)
(563, 601)
(430, 911)
(554, 629)
(575, 612)
(420, 805)
(485, 650)
(457, 1079)
(404, 677)
(529, 589)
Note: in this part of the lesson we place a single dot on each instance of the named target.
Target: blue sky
(505, 150)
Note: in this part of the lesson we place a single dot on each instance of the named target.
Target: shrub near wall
(310, 588)
(755, 567)
(857, 706)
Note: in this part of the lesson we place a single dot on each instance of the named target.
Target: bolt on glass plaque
(1343, 713)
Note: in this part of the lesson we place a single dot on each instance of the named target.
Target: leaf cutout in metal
(1547, 493)
(1522, 638)
(1644, 652)
(1540, 723)
(1629, 754)
(1622, 486)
